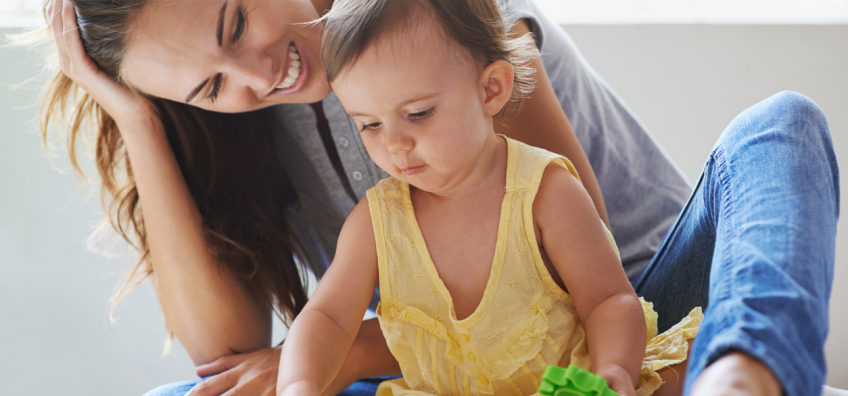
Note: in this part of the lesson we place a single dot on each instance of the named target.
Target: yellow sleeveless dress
(524, 322)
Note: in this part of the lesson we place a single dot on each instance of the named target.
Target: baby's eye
(372, 126)
(422, 114)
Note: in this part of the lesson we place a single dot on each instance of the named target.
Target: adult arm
(208, 310)
(540, 122)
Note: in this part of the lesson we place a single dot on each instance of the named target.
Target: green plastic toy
(573, 381)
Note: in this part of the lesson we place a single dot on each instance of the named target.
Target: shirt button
(357, 175)
(344, 142)
(482, 379)
(465, 337)
(471, 357)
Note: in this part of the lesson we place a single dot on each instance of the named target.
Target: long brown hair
(228, 161)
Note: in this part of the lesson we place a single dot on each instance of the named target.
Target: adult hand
(124, 105)
(246, 374)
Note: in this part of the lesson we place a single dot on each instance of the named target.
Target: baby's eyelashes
(422, 114)
(372, 126)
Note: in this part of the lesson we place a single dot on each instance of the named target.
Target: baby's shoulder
(560, 193)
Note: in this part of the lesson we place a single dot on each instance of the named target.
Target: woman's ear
(496, 80)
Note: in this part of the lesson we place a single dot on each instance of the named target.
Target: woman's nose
(256, 72)
(397, 140)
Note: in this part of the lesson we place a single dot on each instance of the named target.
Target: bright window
(696, 11)
(23, 13)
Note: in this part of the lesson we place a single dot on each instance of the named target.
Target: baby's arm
(320, 337)
(574, 239)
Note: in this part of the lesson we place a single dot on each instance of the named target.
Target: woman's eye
(421, 114)
(240, 25)
(372, 126)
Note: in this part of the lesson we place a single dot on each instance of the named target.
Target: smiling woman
(246, 233)
(217, 204)
(232, 56)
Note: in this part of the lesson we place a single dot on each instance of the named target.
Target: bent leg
(761, 227)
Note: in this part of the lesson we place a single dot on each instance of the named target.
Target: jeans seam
(726, 209)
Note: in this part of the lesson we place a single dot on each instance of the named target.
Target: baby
(490, 256)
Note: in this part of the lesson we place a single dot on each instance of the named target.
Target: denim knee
(787, 113)
(799, 128)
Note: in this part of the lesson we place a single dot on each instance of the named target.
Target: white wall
(685, 82)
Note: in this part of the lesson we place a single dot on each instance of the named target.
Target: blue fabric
(365, 387)
(755, 245)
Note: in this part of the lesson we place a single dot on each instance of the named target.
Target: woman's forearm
(207, 309)
(541, 122)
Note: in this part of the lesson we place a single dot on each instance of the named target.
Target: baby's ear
(497, 80)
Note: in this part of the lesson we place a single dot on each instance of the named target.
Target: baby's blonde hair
(475, 25)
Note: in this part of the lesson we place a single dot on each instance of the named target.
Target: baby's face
(418, 102)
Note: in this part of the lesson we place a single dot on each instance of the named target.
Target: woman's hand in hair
(125, 106)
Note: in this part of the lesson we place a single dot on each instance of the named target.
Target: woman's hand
(618, 380)
(253, 373)
(124, 105)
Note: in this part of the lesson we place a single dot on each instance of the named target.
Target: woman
(755, 241)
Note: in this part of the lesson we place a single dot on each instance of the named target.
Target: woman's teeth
(294, 68)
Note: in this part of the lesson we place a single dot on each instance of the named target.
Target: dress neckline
(500, 245)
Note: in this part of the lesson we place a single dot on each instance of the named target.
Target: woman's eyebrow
(220, 30)
(196, 90)
(220, 35)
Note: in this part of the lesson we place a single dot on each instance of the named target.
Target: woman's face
(228, 55)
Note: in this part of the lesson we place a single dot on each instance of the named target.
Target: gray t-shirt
(643, 190)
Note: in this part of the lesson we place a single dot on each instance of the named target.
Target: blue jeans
(754, 245)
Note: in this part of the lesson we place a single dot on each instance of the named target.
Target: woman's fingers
(73, 44)
(222, 364)
(56, 7)
(214, 386)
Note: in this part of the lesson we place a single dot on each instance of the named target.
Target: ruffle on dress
(524, 343)
(666, 349)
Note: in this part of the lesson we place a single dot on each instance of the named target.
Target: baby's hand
(618, 380)
(301, 388)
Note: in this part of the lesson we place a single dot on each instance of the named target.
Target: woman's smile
(295, 73)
